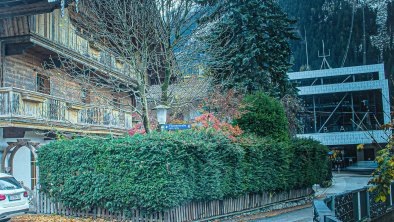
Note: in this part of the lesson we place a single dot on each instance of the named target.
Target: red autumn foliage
(227, 105)
(137, 129)
(210, 122)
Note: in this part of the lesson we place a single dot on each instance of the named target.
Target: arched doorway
(19, 159)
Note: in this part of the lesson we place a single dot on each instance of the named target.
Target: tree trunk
(145, 109)
(165, 85)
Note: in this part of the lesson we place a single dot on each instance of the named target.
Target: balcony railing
(60, 30)
(17, 104)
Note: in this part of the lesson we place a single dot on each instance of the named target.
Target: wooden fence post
(190, 211)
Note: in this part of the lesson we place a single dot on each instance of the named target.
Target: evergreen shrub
(309, 163)
(150, 172)
(263, 116)
(266, 163)
(162, 170)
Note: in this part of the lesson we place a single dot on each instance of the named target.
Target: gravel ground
(50, 218)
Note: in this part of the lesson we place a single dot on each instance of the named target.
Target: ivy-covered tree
(248, 46)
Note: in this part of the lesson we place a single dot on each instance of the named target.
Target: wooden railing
(60, 30)
(18, 104)
(192, 211)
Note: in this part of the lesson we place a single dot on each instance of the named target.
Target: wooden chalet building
(33, 104)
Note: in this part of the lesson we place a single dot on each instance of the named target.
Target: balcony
(57, 33)
(29, 109)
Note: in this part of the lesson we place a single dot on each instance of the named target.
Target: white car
(13, 198)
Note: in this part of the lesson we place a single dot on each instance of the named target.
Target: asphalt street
(341, 183)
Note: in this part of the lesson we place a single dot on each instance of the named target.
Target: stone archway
(7, 161)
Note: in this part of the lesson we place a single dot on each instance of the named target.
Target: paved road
(341, 183)
(345, 182)
(303, 215)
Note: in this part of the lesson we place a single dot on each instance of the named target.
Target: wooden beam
(17, 49)
(38, 125)
(27, 9)
(77, 57)
(16, 39)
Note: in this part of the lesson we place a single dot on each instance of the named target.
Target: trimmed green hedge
(151, 172)
(266, 165)
(309, 163)
(163, 170)
(270, 165)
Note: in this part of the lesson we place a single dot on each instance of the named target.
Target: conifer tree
(248, 46)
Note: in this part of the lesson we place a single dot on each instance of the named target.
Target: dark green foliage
(283, 165)
(328, 180)
(330, 21)
(150, 172)
(309, 163)
(264, 117)
(160, 171)
(250, 48)
(268, 161)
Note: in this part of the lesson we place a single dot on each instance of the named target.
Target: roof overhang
(13, 8)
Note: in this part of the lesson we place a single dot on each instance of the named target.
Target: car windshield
(9, 183)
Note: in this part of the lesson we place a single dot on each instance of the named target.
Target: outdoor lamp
(161, 113)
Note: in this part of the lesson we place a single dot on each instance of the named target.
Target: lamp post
(161, 114)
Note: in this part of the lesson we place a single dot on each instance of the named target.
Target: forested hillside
(339, 23)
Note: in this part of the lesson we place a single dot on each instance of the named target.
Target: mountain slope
(331, 21)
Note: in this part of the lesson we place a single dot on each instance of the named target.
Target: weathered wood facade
(26, 42)
(13, 8)
(35, 103)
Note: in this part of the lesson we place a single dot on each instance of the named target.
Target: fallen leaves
(52, 218)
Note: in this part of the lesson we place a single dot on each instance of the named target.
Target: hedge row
(160, 171)
(270, 165)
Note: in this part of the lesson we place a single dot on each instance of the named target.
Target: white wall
(22, 166)
(22, 159)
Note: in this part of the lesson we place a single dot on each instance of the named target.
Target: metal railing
(355, 205)
(29, 105)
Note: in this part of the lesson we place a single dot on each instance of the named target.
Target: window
(116, 102)
(9, 183)
(133, 100)
(43, 84)
(85, 95)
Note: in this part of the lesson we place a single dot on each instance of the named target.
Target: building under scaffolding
(345, 107)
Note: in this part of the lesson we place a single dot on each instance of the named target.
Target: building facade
(345, 107)
(37, 103)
